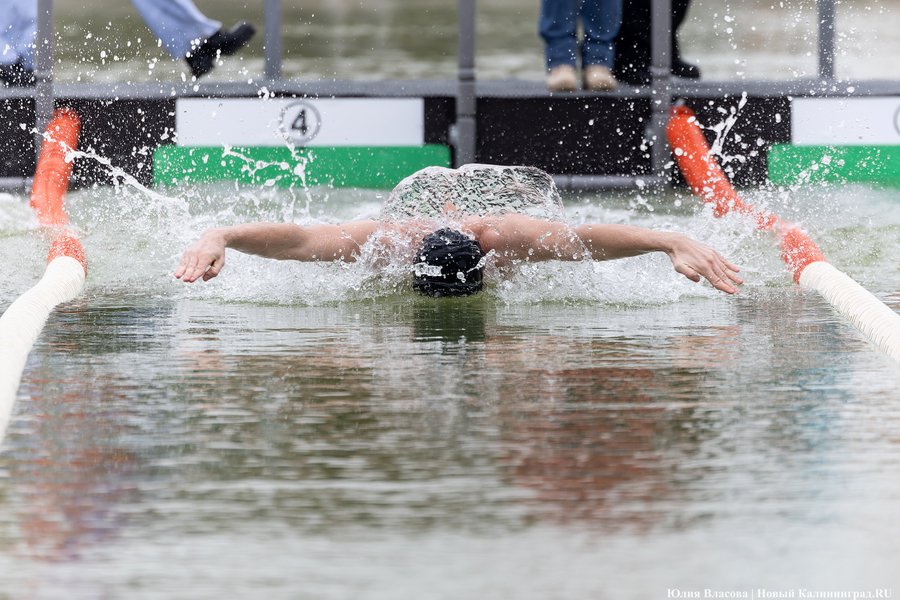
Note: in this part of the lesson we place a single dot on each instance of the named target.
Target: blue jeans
(177, 23)
(558, 28)
(18, 26)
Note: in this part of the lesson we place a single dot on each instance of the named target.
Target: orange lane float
(707, 180)
(801, 255)
(64, 277)
(51, 182)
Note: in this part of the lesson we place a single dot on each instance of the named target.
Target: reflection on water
(331, 432)
(454, 322)
(577, 431)
(596, 431)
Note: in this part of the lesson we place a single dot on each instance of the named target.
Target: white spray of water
(134, 236)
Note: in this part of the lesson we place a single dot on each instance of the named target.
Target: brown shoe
(598, 77)
(563, 78)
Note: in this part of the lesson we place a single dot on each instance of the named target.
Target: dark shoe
(686, 70)
(17, 74)
(222, 43)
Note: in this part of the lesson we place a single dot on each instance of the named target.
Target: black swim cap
(449, 263)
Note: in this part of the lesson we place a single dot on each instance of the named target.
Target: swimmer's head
(449, 263)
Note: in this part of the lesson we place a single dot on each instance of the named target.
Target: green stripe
(834, 164)
(365, 167)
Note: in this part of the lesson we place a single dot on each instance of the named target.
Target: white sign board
(845, 121)
(305, 122)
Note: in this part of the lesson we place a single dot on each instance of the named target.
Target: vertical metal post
(826, 38)
(272, 39)
(660, 92)
(465, 97)
(43, 70)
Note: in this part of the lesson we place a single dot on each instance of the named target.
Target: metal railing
(660, 90)
(44, 44)
(463, 133)
(272, 39)
(825, 11)
(660, 86)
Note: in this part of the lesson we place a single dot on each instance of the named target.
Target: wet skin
(508, 237)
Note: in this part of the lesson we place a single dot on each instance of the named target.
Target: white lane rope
(873, 317)
(22, 322)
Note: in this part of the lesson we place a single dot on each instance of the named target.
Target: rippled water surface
(578, 430)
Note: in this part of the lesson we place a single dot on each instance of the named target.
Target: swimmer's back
(475, 190)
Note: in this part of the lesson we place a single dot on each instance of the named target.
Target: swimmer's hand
(204, 259)
(693, 260)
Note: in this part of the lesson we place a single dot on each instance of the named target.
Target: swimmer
(450, 261)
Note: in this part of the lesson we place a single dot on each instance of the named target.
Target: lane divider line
(801, 255)
(22, 322)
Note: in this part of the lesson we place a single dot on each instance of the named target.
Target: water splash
(121, 177)
(134, 238)
(251, 166)
(722, 129)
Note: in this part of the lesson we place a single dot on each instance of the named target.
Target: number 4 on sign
(299, 123)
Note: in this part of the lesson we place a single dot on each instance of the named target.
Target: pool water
(579, 430)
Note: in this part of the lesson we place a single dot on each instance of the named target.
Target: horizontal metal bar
(514, 88)
(564, 183)
(15, 184)
(592, 183)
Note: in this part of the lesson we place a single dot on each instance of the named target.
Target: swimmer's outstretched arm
(281, 241)
(689, 257)
(518, 237)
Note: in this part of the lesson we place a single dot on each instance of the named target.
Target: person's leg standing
(633, 43)
(18, 28)
(187, 33)
(601, 20)
(632, 64)
(558, 28)
(178, 23)
(679, 67)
